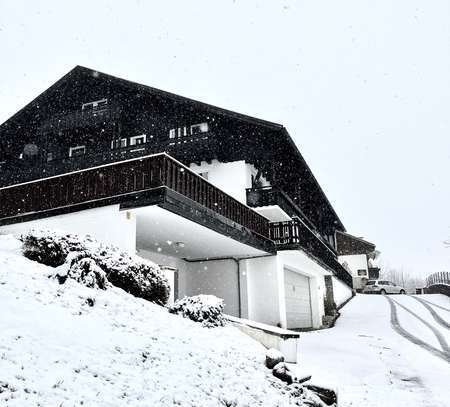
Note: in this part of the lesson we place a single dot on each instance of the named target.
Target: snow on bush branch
(207, 309)
(95, 264)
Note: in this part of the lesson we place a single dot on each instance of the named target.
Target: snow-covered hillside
(66, 345)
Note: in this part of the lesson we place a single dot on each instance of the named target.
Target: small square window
(77, 151)
(172, 133)
(49, 157)
(137, 140)
(123, 142)
(362, 273)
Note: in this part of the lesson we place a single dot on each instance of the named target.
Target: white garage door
(298, 300)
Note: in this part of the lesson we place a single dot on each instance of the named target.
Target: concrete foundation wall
(341, 292)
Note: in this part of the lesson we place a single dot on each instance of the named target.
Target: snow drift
(74, 345)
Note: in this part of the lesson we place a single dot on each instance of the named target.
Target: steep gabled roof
(37, 99)
(79, 72)
(347, 244)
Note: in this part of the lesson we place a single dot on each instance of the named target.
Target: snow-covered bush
(136, 276)
(94, 264)
(87, 272)
(46, 247)
(207, 309)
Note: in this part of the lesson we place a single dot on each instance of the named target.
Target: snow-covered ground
(373, 365)
(57, 350)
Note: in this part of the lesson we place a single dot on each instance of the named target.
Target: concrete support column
(329, 295)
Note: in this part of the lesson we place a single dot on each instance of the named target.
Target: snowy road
(441, 349)
(385, 351)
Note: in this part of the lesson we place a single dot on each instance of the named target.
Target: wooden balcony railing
(272, 195)
(113, 180)
(295, 234)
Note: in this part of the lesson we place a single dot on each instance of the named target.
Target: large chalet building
(224, 202)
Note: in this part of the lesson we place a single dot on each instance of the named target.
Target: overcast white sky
(363, 87)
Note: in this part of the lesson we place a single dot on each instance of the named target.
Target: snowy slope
(56, 350)
(371, 364)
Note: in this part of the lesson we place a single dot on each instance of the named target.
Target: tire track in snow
(437, 334)
(435, 315)
(435, 305)
(414, 339)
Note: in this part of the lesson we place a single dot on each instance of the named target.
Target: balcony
(132, 181)
(270, 196)
(295, 234)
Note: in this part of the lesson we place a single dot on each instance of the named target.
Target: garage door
(298, 300)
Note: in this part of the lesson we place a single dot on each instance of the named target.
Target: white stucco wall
(232, 177)
(106, 224)
(264, 285)
(260, 280)
(216, 277)
(341, 292)
(259, 289)
(356, 262)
